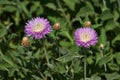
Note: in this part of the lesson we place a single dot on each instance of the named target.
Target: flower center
(85, 37)
(38, 27)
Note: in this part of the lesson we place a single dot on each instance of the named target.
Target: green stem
(104, 3)
(59, 5)
(105, 68)
(46, 55)
(41, 74)
(45, 52)
(44, 49)
(85, 65)
(63, 12)
(118, 4)
(56, 42)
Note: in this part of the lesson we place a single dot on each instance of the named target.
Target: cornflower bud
(102, 46)
(25, 41)
(56, 26)
(87, 24)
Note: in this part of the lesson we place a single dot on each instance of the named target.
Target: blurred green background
(18, 62)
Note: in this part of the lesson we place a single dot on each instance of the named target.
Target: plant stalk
(105, 68)
(118, 4)
(44, 49)
(46, 55)
(63, 12)
(85, 65)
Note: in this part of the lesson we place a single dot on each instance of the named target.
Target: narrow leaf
(67, 58)
(113, 76)
(105, 59)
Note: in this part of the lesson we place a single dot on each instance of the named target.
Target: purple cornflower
(85, 37)
(37, 28)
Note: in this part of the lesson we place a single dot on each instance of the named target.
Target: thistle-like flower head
(37, 28)
(85, 37)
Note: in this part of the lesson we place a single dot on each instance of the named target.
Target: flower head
(37, 28)
(85, 37)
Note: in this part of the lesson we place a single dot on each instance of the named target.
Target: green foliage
(65, 59)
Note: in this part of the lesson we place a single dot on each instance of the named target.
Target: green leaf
(71, 3)
(113, 66)
(117, 57)
(90, 5)
(96, 3)
(9, 8)
(40, 10)
(37, 54)
(85, 11)
(110, 25)
(112, 76)
(96, 25)
(114, 41)
(106, 58)
(95, 78)
(106, 14)
(17, 17)
(90, 60)
(74, 48)
(21, 74)
(3, 32)
(6, 2)
(51, 6)
(34, 7)
(60, 68)
(67, 35)
(36, 77)
(65, 43)
(11, 72)
(8, 60)
(76, 67)
(67, 58)
(4, 66)
(112, 1)
(116, 15)
(98, 57)
(103, 37)
(23, 6)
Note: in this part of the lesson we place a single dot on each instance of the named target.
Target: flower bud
(25, 41)
(102, 46)
(87, 24)
(56, 26)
